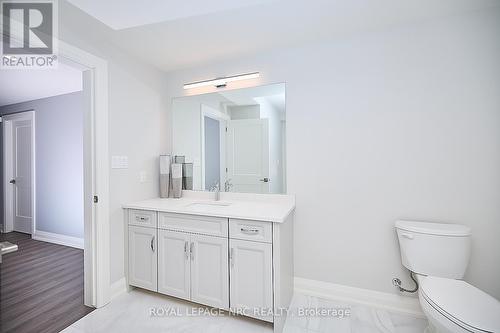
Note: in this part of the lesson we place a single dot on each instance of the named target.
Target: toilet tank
(436, 249)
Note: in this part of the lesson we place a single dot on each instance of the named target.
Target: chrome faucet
(216, 189)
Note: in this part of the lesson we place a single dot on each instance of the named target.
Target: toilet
(438, 254)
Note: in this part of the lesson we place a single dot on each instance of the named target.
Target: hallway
(41, 286)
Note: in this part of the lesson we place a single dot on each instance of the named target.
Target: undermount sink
(209, 204)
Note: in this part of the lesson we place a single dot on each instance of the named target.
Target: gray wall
(212, 152)
(59, 162)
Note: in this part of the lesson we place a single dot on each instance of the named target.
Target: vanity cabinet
(241, 265)
(142, 257)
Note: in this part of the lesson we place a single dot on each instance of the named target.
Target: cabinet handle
(186, 249)
(191, 250)
(231, 257)
(142, 218)
(153, 244)
(249, 231)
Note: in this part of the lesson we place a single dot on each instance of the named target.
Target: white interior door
(209, 271)
(173, 264)
(19, 172)
(248, 155)
(251, 278)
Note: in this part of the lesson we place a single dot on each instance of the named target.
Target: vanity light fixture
(221, 81)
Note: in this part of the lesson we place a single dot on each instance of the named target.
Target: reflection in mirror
(235, 139)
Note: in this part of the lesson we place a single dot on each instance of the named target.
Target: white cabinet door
(173, 263)
(251, 278)
(209, 271)
(142, 256)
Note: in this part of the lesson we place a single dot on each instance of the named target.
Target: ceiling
(173, 35)
(21, 85)
(136, 13)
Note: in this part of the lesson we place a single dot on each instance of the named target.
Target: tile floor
(131, 312)
(362, 319)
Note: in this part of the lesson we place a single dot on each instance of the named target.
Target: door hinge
(226, 170)
(226, 129)
(96, 199)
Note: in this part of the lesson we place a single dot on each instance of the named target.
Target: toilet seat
(462, 303)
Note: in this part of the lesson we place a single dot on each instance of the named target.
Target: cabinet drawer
(250, 230)
(143, 218)
(205, 225)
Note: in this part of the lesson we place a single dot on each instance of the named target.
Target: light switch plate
(119, 162)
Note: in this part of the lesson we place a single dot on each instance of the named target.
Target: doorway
(43, 187)
(213, 143)
(96, 173)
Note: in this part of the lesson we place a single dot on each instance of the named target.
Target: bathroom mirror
(234, 138)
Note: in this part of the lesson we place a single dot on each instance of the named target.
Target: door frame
(210, 112)
(8, 155)
(97, 284)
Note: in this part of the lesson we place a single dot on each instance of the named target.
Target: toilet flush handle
(405, 235)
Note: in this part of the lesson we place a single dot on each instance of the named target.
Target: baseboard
(50, 237)
(118, 287)
(372, 298)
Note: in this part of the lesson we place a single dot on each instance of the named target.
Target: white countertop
(262, 207)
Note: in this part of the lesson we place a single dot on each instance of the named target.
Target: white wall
(59, 162)
(187, 134)
(386, 125)
(136, 120)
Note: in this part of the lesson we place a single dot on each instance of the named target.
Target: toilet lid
(462, 303)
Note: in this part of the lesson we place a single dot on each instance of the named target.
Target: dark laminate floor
(41, 286)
